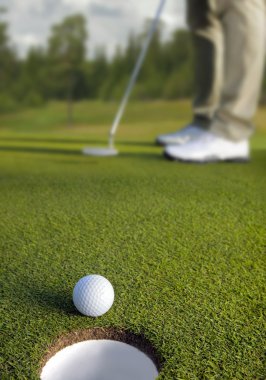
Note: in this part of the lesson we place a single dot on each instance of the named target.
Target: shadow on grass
(76, 141)
(257, 155)
(143, 155)
(76, 152)
(50, 299)
(39, 150)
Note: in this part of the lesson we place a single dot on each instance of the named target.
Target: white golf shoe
(184, 135)
(209, 148)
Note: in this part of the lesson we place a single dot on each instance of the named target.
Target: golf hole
(102, 359)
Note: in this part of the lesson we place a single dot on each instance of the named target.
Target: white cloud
(102, 10)
(26, 40)
(109, 21)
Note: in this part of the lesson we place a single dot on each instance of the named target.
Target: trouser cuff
(231, 128)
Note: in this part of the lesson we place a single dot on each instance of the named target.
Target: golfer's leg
(244, 29)
(209, 46)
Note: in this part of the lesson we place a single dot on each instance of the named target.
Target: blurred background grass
(46, 126)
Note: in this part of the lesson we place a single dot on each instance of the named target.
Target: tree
(97, 73)
(151, 79)
(112, 86)
(66, 54)
(31, 87)
(178, 66)
(8, 68)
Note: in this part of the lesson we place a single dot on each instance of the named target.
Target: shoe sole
(159, 143)
(237, 160)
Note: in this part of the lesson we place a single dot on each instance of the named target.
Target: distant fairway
(183, 245)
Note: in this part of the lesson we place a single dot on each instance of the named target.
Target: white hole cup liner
(99, 360)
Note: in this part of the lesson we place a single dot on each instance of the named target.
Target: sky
(109, 21)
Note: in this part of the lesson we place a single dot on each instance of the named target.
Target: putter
(110, 150)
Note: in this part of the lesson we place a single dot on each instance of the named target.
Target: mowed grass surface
(183, 245)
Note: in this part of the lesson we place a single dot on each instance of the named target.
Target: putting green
(183, 245)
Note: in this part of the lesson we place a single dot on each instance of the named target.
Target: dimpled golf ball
(93, 295)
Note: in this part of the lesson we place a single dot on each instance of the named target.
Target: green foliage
(67, 41)
(97, 75)
(62, 71)
(8, 61)
(33, 99)
(167, 71)
(7, 103)
(179, 84)
(31, 88)
(66, 54)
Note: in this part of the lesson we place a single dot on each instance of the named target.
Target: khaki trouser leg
(244, 34)
(230, 51)
(209, 47)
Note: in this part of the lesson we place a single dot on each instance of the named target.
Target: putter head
(100, 152)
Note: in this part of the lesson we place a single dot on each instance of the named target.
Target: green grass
(182, 244)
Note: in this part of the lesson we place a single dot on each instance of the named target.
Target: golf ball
(93, 295)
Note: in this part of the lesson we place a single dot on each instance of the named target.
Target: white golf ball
(93, 295)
